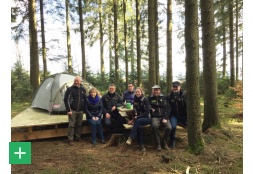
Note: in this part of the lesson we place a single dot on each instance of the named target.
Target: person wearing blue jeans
(94, 108)
(178, 110)
(141, 118)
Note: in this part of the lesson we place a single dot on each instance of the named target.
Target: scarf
(93, 100)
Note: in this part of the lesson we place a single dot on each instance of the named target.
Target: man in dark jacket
(178, 113)
(111, 100)
(74, 103)
(159, 116)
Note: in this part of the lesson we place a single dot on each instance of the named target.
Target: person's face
(156, 91)
(112, 89)
(176, 88)
(138, 92)
(77, 81)
(93, 94)
(130, 87)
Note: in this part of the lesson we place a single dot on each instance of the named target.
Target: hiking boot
(129, 141)
(70, 142)
(165, 146)
(172, 144)
(142, 148)
(159, 147)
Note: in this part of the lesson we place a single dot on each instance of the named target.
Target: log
(115, 140)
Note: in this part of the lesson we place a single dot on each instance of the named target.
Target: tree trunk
(236, 38)
(126, 43)
(116, 44)
(44, 49)
(34, 57)
(211, 114)
(102, 66)
(169, 46)
(70, 64)
(152, 43)
(231, 39)
(138, 43)
(82, 39)
(110, 48)
(224, 63)
(157, 74)
(195, 140)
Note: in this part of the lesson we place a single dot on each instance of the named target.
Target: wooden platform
(32, 124)
(37, 124)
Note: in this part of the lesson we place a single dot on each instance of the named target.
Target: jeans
(137, 128)
(156, 122)
(174, 120)
(94, 126)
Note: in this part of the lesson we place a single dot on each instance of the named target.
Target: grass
(17, 107)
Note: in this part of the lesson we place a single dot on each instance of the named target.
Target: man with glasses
(178, 113)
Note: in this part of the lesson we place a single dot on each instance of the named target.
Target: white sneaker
(129, 141)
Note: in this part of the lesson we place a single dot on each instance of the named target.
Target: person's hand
(94, 118)
(130, 122)
(164, 121)
(152, 109)
(135, 116)
(107, 115)
(113, 108)
(69, 113)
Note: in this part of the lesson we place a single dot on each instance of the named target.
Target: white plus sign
(19, 153)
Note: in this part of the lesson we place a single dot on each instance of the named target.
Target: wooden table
(129, 112)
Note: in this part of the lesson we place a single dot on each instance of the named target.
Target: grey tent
(51, 92)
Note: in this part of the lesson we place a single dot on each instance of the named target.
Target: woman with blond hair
(141, 117)
(93, 109)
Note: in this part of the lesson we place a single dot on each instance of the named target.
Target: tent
(51, 92)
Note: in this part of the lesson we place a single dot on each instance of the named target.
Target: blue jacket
(128, 97)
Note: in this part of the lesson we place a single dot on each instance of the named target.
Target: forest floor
(223, 152)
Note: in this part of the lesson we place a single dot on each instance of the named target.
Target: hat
(156, 87)
(176, 83)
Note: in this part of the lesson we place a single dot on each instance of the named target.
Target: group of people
(157, 110)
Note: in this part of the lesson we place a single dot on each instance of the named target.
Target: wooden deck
(38, 124)
(34, 124)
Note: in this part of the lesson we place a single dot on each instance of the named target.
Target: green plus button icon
(20, 152)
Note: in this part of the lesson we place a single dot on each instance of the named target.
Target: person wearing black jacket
(74, 102)
(178, 113)
(142, 117)
(111, 100)
(159, 116)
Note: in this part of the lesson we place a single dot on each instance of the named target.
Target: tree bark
(195, 140)
(211, 114)
(44, 49)
(34, 57)
(82, 39)
(70, 63)
(169, 46)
